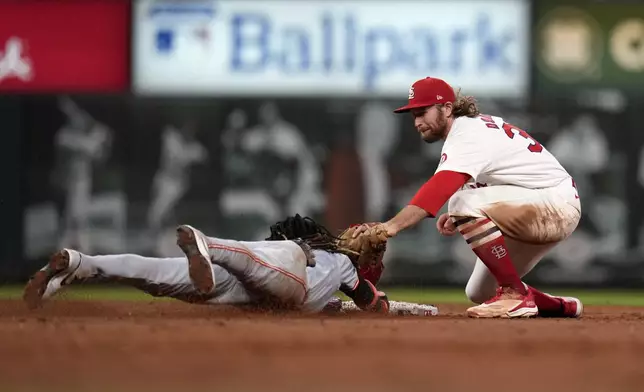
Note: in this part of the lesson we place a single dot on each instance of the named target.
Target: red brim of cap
(406, 108)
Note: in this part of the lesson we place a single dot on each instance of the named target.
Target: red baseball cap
(427, 92)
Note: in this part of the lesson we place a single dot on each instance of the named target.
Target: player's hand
(363, 228)
(445, 226)
(333, 306)
(381, 305)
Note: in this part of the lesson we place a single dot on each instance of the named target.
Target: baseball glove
(368, 247)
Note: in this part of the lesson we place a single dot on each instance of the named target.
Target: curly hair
(465, 106)
(304, 228)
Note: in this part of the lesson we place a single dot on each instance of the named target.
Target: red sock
(545, 302)
(486, 240)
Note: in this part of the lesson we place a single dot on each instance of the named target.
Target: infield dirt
(171, 346)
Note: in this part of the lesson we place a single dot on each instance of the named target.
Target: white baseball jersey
(494, 152)
(331, 272)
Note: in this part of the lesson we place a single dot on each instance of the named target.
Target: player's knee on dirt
(475, 296)
(477, 293)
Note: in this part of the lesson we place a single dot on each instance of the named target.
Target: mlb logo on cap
(427, 92)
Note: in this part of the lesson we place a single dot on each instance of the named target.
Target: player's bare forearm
(409, 216)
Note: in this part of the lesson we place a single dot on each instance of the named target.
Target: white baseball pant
(533, 221)
(161, 277)
(269, 268)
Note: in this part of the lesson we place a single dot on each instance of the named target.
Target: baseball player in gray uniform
(289, 270)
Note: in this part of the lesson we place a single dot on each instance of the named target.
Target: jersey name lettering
(510, 130)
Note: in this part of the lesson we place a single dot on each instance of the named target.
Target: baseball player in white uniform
(508, 196)
(82, 142)
(179, 152)
(278, 273)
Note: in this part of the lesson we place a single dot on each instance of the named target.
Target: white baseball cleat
(59, 272)
(192, 243)
(507, 303)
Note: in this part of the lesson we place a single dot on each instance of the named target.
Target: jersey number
(510, 129)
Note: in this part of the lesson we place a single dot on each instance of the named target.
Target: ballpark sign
(329, 48)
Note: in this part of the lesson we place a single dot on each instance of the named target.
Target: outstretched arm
(429, 199)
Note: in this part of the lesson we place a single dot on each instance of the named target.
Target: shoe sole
(35, 288)
(199, 266)
(524, 313)
(520, 313)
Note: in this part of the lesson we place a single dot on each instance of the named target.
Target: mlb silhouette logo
(165, 41)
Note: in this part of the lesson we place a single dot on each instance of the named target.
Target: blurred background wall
(122, 119)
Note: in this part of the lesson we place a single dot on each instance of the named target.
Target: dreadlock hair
(306, 229)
